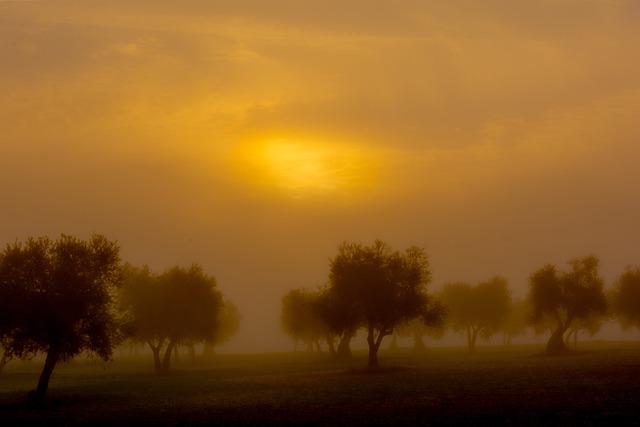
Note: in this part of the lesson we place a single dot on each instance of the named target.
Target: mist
(498, 137)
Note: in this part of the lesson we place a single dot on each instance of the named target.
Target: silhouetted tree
(58, 297)
(479, 310)
(342, 322)
(227, 326)
(592, 324)
(4, 359)
(517, 321)
(300, 319)
(378, 289)
(564, 297)
(176, 307)
(432, 324)
(625, 298)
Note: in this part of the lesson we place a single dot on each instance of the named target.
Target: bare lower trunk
(166, 361)
(344, 347)
(37, 396)
(556, 343)
(472, 337)
(332, 348)
(573, 336)
(3, 361)
(157, 364)
(374, 345)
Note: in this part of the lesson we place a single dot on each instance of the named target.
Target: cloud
(505, 132)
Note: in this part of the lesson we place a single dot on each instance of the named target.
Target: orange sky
(253, 137)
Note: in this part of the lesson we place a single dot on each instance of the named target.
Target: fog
(253, 138)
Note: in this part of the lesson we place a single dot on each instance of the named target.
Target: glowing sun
(308, 167)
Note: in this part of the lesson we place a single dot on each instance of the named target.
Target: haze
(254, 137)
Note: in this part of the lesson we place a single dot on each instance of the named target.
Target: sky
(253, 137)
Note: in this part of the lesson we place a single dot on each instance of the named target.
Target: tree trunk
(3, 361)
(37, 396)
(344, 347)
(373, 348)
(332, 348)
(166, 361)
(472, 337)
(556, 343)
(157, 365)
(575, 339)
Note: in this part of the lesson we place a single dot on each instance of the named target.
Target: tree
(378, 289)
(300, 320)
(625, 298)
(341, 321)
(4, 359)
(431, 324)
(592, 325)
(227, 326)
(58, 297)
(517, 320)
(479, 310)
(565, 297)
(178, 306)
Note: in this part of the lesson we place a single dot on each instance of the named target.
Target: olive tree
(565, 297)
(625, 298)
(378, 289)
(300, 319)
(181, 305)
(479, 310)
(58, 297)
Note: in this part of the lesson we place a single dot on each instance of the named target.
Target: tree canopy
(378, 289)
(179, 305)
(565, 297)
(58, 297)
(477, 310)
(625, 298)
(300, 318)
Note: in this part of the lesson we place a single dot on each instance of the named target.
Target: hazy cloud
(504, 133)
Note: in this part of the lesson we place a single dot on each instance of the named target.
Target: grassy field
(496, 386)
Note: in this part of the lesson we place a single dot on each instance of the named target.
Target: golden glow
(307, 167)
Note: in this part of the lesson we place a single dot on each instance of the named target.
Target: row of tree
(68, 296)
(370, 287)
(383, 292)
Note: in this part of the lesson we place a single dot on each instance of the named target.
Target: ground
(496, 386)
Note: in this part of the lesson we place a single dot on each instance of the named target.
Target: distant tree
(341, 320)
(592, 325)
(432, 324)
(300, 319)
(378, 289)
(58, 297)
(479, 310)
(179, 306)
(517, 321)
(625, 298)
(566, 297)
(227, 326)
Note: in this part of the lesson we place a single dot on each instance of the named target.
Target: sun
(306, 167)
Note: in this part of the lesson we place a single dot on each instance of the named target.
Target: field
(599, 385)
